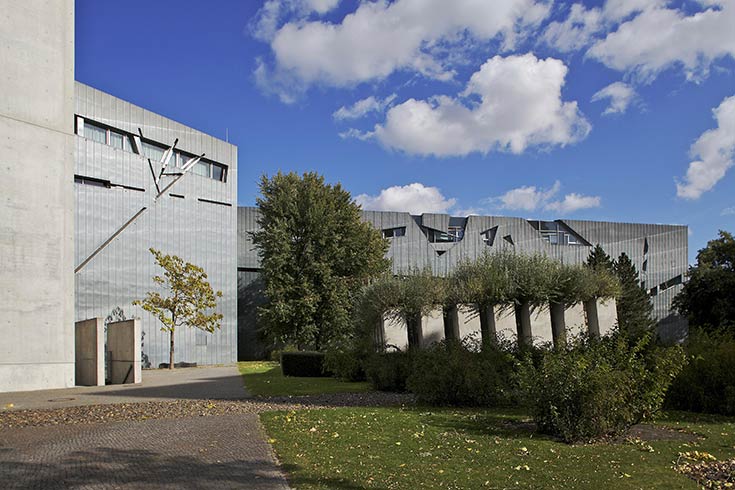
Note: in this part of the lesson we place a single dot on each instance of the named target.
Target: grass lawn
(411, 448)
(265, 379)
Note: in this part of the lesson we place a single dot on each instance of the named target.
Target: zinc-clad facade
(195, 220)
(659, 252)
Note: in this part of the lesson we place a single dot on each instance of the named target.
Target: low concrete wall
(89, 344)
(505, 323)
(395, 334)
(607, 315)
(469, 322)
(123, 345)
(541, 325)
(575, 319)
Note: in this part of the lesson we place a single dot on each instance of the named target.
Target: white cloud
(714, 150)
(660, 38)
(620, 96)
(322, 6)
(728, 211)
(582, 25)
(413, 198)
(266, 22)
(520, 105)
(353, 133)
(363, 107)
(527, 198)
(382, 37)
(574, 202)
(531, 198)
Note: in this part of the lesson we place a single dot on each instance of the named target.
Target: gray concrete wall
(123, 347)
(37, 200)
(196, 220)
(89, 351)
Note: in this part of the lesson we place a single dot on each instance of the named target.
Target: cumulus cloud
(532, 198)
(582, 24)
(413, 198)
(714, 153)
(660, 38)
(511, 103)
(728, 211)
(381, 37)
(267, 20)
(620, 96)
(363, 107)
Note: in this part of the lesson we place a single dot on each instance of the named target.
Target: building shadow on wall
(250, 343)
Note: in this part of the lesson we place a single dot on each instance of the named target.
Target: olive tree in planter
(483, 285)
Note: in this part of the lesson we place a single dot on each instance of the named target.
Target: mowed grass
(411, 448)
(265, 379)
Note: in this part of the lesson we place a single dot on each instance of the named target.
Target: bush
(458, 373)
(303, 364)
(597, 388)
(707, 383)
(389, 371)
(347, 365)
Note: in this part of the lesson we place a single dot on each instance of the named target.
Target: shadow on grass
(297, 480)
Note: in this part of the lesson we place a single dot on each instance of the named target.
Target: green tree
(189, 301)
(635, 311)
(708, 298)
(599, 259)
(315, 252)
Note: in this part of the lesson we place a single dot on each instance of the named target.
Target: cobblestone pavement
(221, 452)
(219, 382)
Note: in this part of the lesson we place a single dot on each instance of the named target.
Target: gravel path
(95, 414)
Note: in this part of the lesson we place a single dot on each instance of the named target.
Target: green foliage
(459, 373)
(708, 298)
(315, 252)
(189, 301)
(634, 307)
(596, 388)
(265, 379)
(599, 259)
(389, 371)
(484, 282)
(707, 383)
(348, 365)
(303, 364)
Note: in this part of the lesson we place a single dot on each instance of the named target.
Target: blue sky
(584, 110)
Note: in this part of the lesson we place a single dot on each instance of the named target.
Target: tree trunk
(415, 335)
(593, 322)
(451, 322)
(171, 351)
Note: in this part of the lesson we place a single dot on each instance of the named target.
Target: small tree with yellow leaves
(189, 301)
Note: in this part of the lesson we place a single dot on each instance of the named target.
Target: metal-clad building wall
(661, 248)
(200, 232)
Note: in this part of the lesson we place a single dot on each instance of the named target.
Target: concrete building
(440, 242)
(195, 219)
(36, 194)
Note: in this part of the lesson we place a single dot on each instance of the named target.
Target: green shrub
(597, 388)
(347, 365)
(303, 364)
(707, 383)
(389, 371)
(275, 354)
(458, 373)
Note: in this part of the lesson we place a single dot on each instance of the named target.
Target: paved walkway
(200, 453)
(222, 452)
(217, 383)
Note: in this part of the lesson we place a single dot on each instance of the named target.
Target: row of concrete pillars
(547, 324)
(122, 352)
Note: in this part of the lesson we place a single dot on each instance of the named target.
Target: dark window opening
(394, 232)
(509, 239)
(488, 236)
(557, 233)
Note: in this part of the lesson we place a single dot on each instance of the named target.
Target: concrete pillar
(541, 325)
(505, 323)
(523, 324)
(593, 323)
(394, 334)
(415, 334)
(469, 322)
(607, 315)
(89, 344)
(558, 324)
(432, 327)
(123, 344)
(451, 322)
(487, 324)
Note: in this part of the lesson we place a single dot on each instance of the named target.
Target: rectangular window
(116, 139)
(95, 133)
(218, 173)
(394, 232)
(201, 168)
(152, 151)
